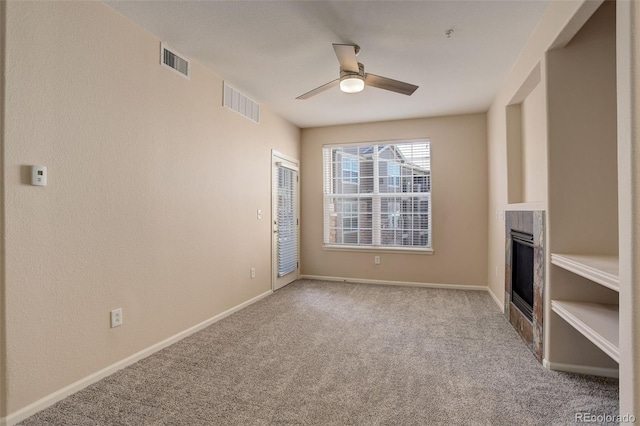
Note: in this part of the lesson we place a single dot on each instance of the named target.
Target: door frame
(281, 160)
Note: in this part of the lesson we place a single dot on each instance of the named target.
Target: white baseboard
(499, 302)
(581, 369)
(51, 399)
(399, 283)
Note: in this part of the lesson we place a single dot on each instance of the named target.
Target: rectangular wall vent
(175, 61)
(240, 103)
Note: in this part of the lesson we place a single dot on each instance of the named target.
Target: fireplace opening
(522, 272)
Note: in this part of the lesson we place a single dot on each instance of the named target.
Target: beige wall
(632, 400)
(3, 358)
(459, 168)
(151, 203)
(534, 147)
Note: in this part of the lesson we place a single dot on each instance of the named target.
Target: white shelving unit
(600, 269)
(582, 332)
(598, 322)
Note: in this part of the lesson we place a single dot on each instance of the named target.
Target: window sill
(397, 250)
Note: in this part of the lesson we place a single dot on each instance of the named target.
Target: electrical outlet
(376, 260)
(253, 273)
(116, 318)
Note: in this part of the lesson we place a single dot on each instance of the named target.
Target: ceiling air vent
(240, 103)
(175, 61)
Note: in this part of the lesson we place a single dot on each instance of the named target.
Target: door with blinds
(285, 220)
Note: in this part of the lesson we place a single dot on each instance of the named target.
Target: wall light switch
(259, 214)
(39, 175)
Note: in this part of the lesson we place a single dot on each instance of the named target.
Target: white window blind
(378, 195)
(287, 221)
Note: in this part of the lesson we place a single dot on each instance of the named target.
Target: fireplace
(524, 276)
(522, 272)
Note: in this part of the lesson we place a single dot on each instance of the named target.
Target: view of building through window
(378, 195)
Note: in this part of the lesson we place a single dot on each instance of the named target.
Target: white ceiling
(274, 51)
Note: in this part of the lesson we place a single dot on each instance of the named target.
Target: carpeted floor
(329, 353)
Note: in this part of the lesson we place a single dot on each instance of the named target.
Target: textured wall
(152, 195)
(534, 147)
(459, 197)
(3, 356)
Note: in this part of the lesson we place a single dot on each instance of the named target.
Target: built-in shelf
(582, 270)
(597, 322)
(603, 270)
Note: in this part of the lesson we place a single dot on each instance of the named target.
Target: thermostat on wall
(38, 175)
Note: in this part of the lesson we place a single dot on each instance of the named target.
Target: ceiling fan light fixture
(352, 83)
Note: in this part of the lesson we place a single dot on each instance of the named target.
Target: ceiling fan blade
(320, 89)
(346, 54)
(390, 84)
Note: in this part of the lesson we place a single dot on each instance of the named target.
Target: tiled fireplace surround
(530, 222)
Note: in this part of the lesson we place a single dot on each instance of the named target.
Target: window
(350, 169)
(378, 195)
(393, 172)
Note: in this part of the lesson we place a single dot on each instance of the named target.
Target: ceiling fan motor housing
(345, 73)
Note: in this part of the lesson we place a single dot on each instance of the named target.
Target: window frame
(381, 220)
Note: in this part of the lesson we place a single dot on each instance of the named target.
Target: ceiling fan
(353, 78)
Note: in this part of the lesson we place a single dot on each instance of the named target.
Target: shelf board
(596, 321)
(603, 270)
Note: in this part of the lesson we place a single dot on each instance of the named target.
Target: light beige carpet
(329, 353)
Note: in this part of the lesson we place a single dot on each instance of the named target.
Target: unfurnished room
(319, 212)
